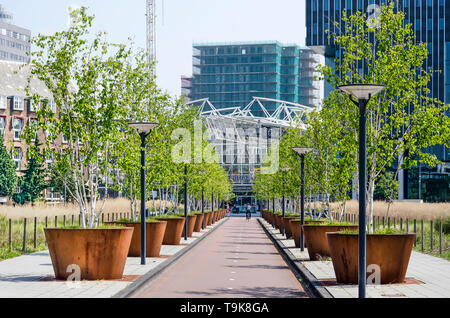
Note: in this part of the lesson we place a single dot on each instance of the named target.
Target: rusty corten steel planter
(287, 226)
(154, 234)
(391, 252)
(316, 238)
(198, 222)
(271, 219)
(295, 230)
(277, 221)
(207, 217)
(174, 229)
(99, 253)
(191, 224)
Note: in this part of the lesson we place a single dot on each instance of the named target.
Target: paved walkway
(32, 276)
(427, 276)
(238, 260)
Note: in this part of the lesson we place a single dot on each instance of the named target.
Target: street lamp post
(362, 94)
(144, 129)
(203, 207)
(185, 203)
(212, 206)
(302, 151)
(284, 169)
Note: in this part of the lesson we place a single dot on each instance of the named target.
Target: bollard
(103, 218)
(383, 223)
(46, 221)
(64, 221)
(389, 222)
(72, 219)
(56, 221)
(394, 223)
(440, 237)
(24, 235)
(407, 225)
(35, 232)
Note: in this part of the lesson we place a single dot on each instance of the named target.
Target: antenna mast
(151, 31)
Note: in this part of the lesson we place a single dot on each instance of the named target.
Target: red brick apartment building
(17, 111)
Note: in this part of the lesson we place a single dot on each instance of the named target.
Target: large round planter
(208, 220)
(287, 226)
(295, 229)
(99, 253)
(199, 222)
(174, 229)
(390, 252)
(316, 238)
(191, 224)
(277, 222)
(154, 234)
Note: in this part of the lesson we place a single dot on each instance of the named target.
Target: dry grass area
(41, 210)
(410, 210)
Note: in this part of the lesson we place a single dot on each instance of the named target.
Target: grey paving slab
(30, 276)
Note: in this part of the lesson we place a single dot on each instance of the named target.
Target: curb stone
(312, 285)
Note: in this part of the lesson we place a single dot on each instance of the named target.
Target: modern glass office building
(232, 74)
(430, 20)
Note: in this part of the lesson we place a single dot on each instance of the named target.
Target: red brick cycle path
(237, 260)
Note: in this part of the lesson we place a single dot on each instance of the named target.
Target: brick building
(17, 111)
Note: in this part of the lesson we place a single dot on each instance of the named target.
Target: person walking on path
(248, 213)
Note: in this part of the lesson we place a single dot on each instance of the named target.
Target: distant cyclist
(248, 213)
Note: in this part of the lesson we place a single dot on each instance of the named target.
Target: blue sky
(183, 22)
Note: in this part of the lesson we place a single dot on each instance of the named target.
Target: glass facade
(232, 74)
(430, 20)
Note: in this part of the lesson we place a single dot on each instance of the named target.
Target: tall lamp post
(185, 202)
(302, 151)
(203, 207)
(360, 95)
(284, 169)
(144, 129)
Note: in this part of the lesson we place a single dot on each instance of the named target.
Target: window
(17, 127)
(2, 125)
(337, 4)
(430, 24)
(441, 24)
(52, 105)
(32, 106)
(417, 24)
(406, 3)
(3, 100)
(50, 157)
(17, 103)
(17, 158)
(430, 3)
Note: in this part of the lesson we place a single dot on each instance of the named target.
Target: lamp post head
(302, 150)
(143, 127)
(362, 91)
